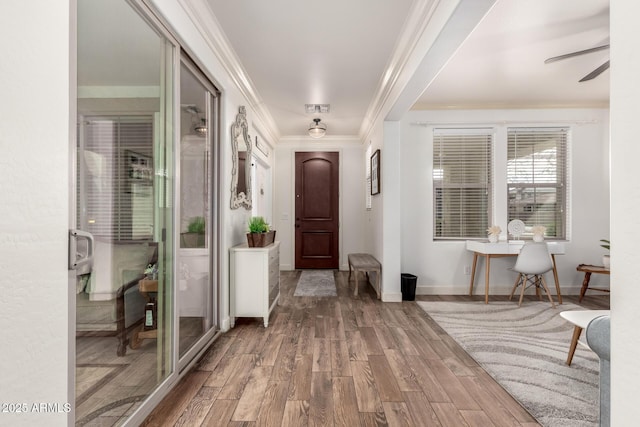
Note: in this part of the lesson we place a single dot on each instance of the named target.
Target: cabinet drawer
(274, 279)
(274, 264)
(274, 260)
(254, 281)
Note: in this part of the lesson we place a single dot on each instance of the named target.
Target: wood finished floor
(342, 361)
(110, 388)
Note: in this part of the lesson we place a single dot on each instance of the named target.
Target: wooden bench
(365, 263)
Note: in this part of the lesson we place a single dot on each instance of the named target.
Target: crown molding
(205, 21)
(325, 139)
(512, 106)
(434, 31)
(419, 18)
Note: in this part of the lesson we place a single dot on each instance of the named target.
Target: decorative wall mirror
(241, 172)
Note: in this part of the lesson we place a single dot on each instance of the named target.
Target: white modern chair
(533, 261)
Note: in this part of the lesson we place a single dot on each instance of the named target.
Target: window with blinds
(536, 178)
(115, 179)
(461, 182)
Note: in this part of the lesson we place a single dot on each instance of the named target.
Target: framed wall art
(375, 173)
(139, 167)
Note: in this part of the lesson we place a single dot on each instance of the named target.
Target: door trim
(342, 265)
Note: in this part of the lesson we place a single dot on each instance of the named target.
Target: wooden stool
(588, 270)
(580, 319)
(365, 263)
(145, 286)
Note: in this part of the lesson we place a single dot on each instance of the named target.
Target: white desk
(504, 249)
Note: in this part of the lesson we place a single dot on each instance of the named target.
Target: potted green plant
(194, 237)
(260, 233)
(606, 258)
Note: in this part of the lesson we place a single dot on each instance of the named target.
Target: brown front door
(317, 210)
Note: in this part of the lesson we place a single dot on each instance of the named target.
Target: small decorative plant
(539, 229)
(260, 234)
(538, 232)
(194, 237)
(494, 233)
(494, 230)
(606, 259)
(196, 225)
(151, 271)
(257, 224)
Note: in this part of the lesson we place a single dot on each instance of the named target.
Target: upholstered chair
(599, 340)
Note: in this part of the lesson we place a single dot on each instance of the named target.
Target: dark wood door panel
(318, 243)
(317, 211)
(317, 203)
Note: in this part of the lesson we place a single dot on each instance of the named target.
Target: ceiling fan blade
(580, 52)
(595, 73)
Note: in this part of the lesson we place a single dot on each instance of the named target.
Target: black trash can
(408, 286)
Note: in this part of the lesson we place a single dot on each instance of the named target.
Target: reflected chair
(533, 261)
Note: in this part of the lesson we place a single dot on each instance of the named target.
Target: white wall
(262, 193)
(625, 223)
(382, 222)
(34, 168)
(440, 265)
(352, 194)
(35, 306)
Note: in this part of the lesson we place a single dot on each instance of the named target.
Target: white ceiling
(297, 52)
(301, 52)
(502, 63)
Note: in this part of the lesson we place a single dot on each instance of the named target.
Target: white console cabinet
(255, 281)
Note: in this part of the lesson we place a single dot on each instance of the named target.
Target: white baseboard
(495, 290)
(225, 324)
(289, 267)
(391, 297)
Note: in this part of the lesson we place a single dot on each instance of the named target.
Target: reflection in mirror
(121, 171)
(241, 172)
(195, 307)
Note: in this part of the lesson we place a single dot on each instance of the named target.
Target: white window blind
(536, 178)
(461, 182)
(115, 183)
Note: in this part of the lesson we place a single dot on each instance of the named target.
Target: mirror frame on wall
(241, 194)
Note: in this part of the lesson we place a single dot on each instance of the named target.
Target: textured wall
(34, 165)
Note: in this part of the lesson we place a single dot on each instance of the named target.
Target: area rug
(524, 349)
(123, 406)
(90, 377)
(316, 283)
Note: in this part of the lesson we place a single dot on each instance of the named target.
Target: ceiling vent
(316, 108)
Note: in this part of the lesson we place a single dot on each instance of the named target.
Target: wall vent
(316, 108)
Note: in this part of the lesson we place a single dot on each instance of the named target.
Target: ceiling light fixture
(198, 124)
(317, 129)
(201, 129)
